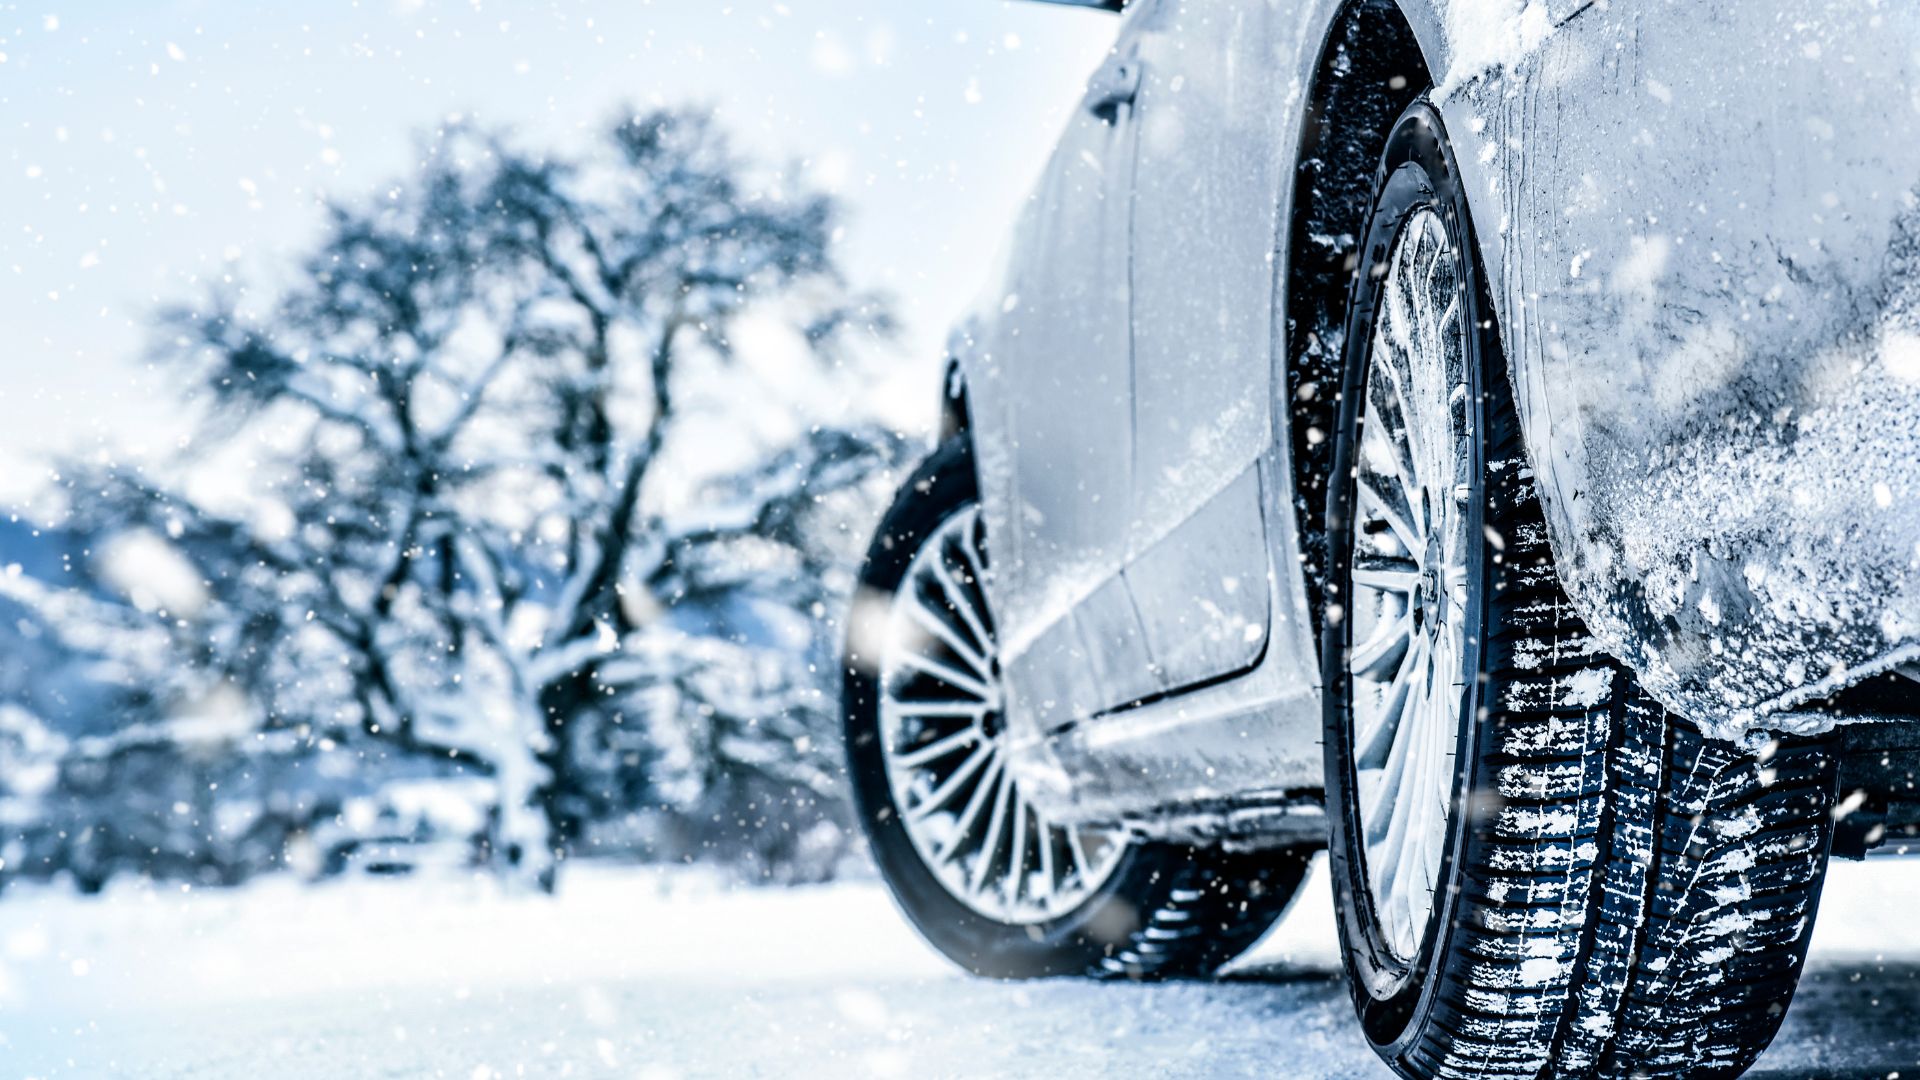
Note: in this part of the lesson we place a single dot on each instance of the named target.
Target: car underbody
(1879, 748)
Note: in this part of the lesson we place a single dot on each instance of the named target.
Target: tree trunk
(523, 841)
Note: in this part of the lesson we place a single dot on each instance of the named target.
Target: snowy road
(629, 974)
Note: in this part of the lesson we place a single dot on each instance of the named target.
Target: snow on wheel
(983, 876)
(1539, 872)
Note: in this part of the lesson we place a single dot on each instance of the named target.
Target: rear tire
(1613, 895)
(1159, 910)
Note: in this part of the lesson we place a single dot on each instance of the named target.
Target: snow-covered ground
(632, 973)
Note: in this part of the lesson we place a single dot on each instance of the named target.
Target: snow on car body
(1706, 291)
(1707, 254)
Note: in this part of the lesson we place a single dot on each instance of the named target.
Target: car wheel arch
(1370, 67)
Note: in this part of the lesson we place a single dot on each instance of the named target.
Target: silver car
(1480, 438)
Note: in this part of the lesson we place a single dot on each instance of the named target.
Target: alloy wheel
(1414, 568)
(943, 737)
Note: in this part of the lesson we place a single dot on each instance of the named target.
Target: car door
(1204, 226)
(1053, 411)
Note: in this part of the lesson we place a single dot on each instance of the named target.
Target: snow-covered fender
(1701, 228)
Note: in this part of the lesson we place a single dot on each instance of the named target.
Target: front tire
(1539, 872)
(983, 878)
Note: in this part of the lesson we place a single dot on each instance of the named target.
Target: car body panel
(1203, 248)
(1701, 273)
(1704, 235)
(1217, 590)
(1252, 737)
(1198, 595)
(1051, 395)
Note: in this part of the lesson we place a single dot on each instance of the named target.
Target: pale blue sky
(149, 143)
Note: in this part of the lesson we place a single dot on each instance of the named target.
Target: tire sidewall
(1417, 172)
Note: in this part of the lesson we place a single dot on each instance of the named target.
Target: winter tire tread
(1634, 899)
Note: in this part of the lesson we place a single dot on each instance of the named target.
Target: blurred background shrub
(518, 563)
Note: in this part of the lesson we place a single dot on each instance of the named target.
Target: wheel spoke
(935, 709)
(1386, 575)
(937, 749)
(1406, 767)
(1381, 653)
(946, 674)
(1017, 860)
(1390, 429)
(1374, 735)
(1393, 773)
(1421, 795)
(1383, 501)
(990, 846)
(943, 794)
(1439, 800)
(1045, 841)
(1077, 853)
(943, 740)
(963, 825)
(939, 628)
(1445, 319)
(1432, 324)
(958, 597)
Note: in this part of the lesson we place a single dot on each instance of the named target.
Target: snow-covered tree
(456, 429)
(736, 693)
